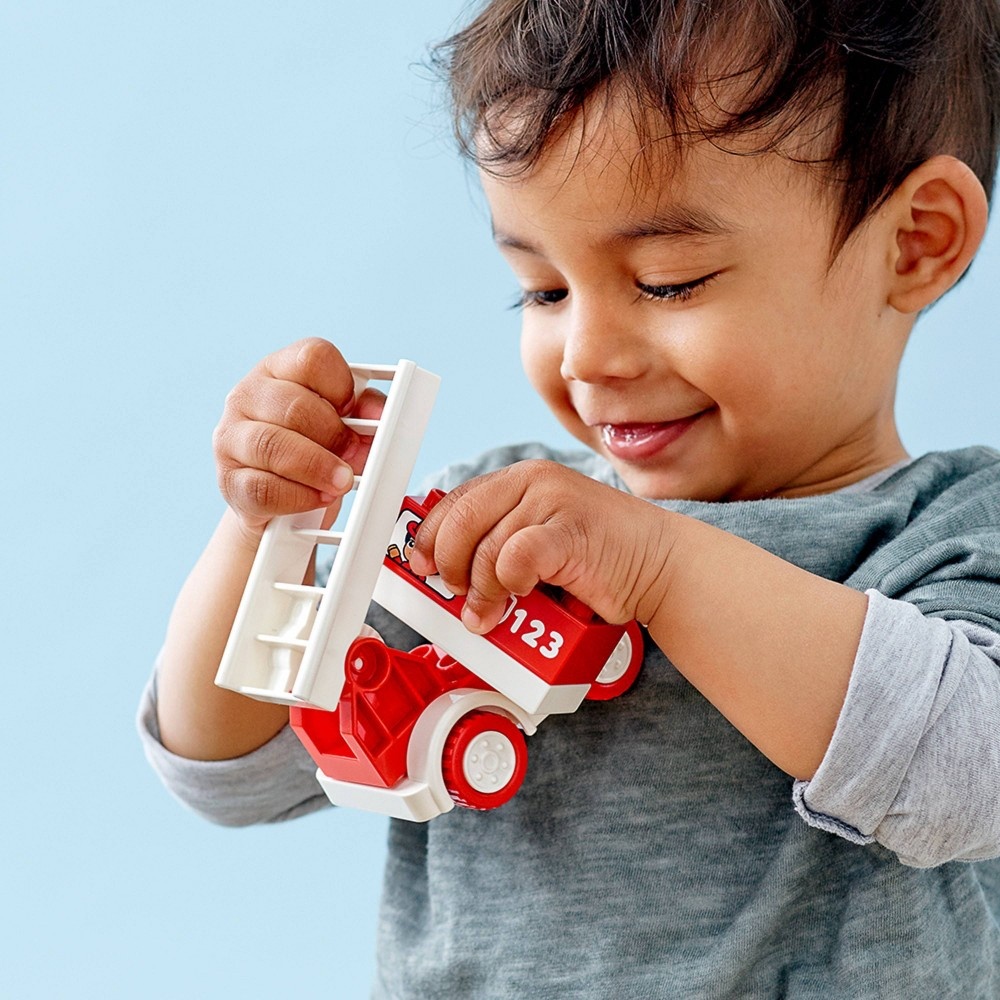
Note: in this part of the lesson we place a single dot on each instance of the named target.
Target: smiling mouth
(635, 442)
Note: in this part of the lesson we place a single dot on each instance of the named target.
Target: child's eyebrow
(672, 222)
(510, 242)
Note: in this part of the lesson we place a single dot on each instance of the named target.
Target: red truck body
(366, 740)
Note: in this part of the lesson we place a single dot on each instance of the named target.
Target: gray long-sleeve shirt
(654, 852)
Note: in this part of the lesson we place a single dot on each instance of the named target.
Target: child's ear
(940, 214)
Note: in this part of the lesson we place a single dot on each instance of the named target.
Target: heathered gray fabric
(653, 852)
(923, 702)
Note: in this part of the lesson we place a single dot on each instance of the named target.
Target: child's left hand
(537, 521)
(769, 644)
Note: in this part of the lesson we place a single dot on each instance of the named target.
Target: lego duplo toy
(409, 733)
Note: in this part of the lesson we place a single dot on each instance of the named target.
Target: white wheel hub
(489, 761)
(618, 661)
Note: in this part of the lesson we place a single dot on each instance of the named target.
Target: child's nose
(600, 346)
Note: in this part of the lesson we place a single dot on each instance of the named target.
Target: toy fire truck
(409, 733)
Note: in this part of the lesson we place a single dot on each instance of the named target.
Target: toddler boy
(725, 219)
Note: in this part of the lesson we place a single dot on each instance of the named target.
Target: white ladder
(289, 640)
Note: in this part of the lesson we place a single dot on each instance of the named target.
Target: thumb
(367, 406)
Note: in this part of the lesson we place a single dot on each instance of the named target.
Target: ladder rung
(277, 640)
(366, 427)
(302, 589)
(379, 373)
(319, 535)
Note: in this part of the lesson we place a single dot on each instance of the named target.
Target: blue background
(184, 187)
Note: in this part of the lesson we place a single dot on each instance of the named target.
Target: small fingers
(458, 523)
(254, 447)
(423, 558)
(535, 553)
(463, 538)
(316, 365)
(504, 532)
(282, 444)
(306, 387)
(291, 405)
(513, 562)
(447, 540)
(368, 407)
(487, 589)
(257, 496)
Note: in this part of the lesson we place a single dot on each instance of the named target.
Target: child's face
(684, 320)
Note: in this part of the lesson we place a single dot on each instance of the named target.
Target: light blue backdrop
(184, 187)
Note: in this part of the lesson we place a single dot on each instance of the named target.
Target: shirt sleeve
(914, 762)
(275, 782)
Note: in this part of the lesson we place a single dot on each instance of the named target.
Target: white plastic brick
(494, 666)
(410, 799)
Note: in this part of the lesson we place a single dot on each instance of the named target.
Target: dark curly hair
(878, 85)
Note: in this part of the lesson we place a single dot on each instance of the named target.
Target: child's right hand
(281, 446)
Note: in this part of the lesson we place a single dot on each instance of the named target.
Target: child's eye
(544, 297)
(674, 293)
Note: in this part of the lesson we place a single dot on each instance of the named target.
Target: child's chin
(652, 485)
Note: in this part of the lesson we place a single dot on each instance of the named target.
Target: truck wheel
(622, 667)
(484, 760)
